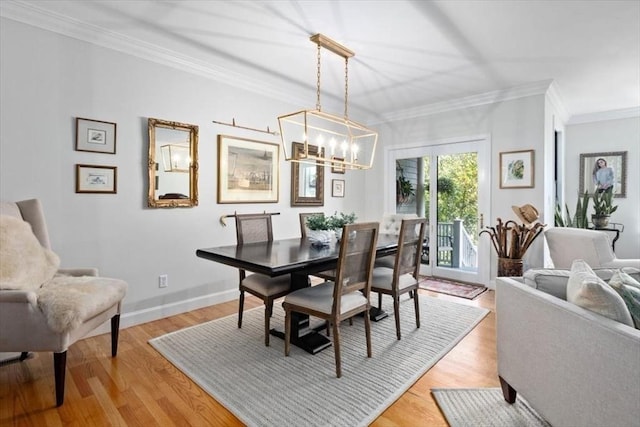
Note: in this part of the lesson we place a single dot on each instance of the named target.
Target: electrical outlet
(163, 281)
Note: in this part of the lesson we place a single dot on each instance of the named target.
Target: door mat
(455, 289)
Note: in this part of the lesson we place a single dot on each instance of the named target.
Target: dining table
(299, 258)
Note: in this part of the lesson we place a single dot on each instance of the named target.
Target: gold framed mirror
(173, 164)
(307, 180)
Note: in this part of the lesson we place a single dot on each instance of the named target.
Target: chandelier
(328, 139)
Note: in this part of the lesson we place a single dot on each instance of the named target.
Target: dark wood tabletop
(286, 256)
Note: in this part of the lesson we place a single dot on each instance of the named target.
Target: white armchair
(42, 308)
(593, 246)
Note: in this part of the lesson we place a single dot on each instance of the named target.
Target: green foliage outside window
(457, 190)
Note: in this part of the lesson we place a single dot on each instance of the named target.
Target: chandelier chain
(346, 86)
(318, 82)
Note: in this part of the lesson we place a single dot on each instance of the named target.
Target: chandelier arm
(346, 86)
(318, 107)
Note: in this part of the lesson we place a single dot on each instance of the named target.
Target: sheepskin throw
(24, 263)
(68, 301)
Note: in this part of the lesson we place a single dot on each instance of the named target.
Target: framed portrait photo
(96, 179)
(517, 169)
(337, 188)
(248, 170)
(95, 136)
(601, 171)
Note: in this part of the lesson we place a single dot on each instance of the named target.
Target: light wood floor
(141, 388)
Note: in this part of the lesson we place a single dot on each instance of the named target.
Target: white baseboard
(154, 313)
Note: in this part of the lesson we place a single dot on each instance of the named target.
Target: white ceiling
(409, 54)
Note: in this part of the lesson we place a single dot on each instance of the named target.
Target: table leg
(302, 334)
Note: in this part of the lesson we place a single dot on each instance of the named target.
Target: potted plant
(337, 222)
(321, 226)
(603, 207)
(579, 220)
(404, 190)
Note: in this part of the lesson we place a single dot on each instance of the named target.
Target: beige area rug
(485, 407)
(448, 287)
(262, 387)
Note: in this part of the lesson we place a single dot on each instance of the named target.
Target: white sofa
(567, 244)
(575, 367)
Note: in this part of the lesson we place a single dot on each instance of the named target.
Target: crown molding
(555, 98)
(30, 14)
(536, 88)
(625, 113)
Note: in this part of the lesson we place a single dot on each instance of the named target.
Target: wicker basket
(509, 267)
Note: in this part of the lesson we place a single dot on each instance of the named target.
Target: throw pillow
(588, 291)
(24, 263)
(629, 289)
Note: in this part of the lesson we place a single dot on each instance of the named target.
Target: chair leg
(396, 313)
(287, 332)
(379, 300)
(240, 309)
(115, 329)
(59, 370)
(367, 329)
(268, 309)
(417, 308)
(336, 347)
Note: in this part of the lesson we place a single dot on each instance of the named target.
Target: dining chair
(405, 274)
(344, 297)
(252, 228)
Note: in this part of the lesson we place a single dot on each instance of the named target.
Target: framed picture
(248, 170)
(516, 169)
(96, 179)
(600, 171)
(95, 136)
(337, 188)
(337, 168)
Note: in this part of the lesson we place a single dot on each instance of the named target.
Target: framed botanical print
(517, 169)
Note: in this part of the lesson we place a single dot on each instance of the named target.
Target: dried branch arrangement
(511, 240)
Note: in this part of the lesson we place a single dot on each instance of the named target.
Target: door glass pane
(457, 211)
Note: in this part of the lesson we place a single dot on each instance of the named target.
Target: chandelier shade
(337, 141)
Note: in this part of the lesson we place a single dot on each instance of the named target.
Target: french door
(449, 183)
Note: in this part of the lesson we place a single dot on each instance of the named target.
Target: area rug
(262, 387)
(461, 290)
(485, 407)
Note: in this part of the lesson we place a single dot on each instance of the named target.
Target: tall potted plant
(603, 207)
(579, 220)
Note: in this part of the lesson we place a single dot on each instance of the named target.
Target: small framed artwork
(601, 171)
(517, 169)
(337, 168)
(248, 170)
(337, 188)
(95, 136)
(96, 179)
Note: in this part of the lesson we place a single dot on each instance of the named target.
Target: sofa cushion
(588, 291)
(68, 301)
(24, 263)
(629, 289)
(549, 280)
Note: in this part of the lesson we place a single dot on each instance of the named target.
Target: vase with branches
(511, 241)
